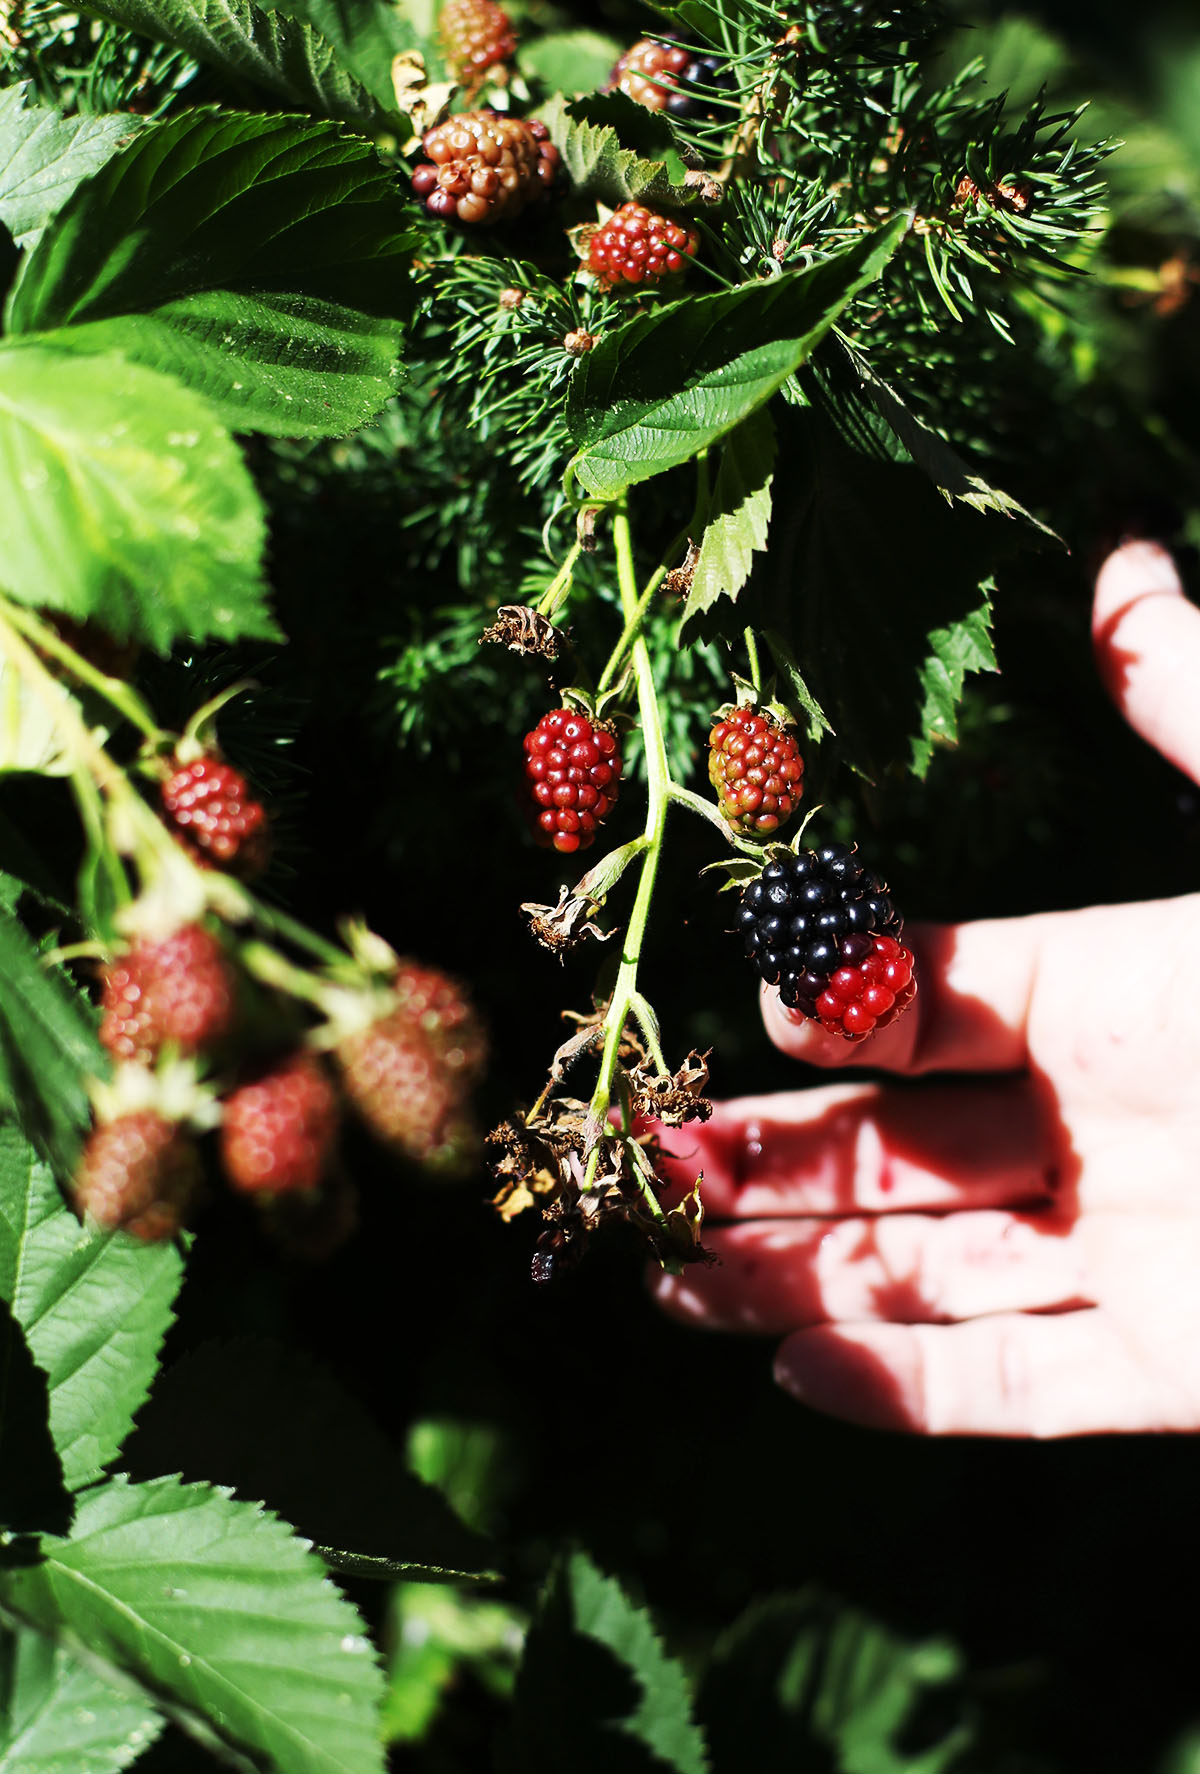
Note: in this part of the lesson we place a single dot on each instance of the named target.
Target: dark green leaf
(94, 1306)
(44, 155)
(874, 580)
(597, 163)
(803, 1681)
(596, 1691)
(262, 260)
(944, 466)
(570, 61)
(58, 1717)
(33, 1497)
(127, 501)
(48, 1041)
(279, 1429)
(367, 34)
(668, 384)
(739, 512)
(246, 42)
(221, 1614)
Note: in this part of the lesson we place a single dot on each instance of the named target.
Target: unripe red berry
(755, 767)
(649, 72)
(408, 1093)
(639, 246)
(573, 768)
(475, 35)
(210, 806)
(138, 1173)
(278, 1129)
(867, 993)
(482, 167)
(180, 990)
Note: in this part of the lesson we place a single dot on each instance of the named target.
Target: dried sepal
(678, 582)
(672, 1098)
(523, 630)
(562, 927)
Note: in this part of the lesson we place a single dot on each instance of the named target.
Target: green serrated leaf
(367, 34)
(127, 501)
(48, 1044)
(668, 384)
(220, 1613)
(58, 1717)
(570, 61)
(43, 156)
(964, 646)
(597, 164)
(94, 1306)
(247, 42)
(805, 1681)
(262, 260)
(738, 515)
(869, 566)
(944, 466)
(596, 1686)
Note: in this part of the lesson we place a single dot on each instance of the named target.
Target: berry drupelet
(824, 929)
(475, 35)
(573, 767)
(638, 246)
(482, 167)
(649, 72)
(755, 767)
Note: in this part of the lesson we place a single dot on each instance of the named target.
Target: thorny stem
(625, 996)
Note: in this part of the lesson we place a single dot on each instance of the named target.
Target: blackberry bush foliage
(404, 294)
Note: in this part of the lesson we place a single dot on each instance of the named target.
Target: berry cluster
(408, 1048)
(475, 35)
(483, 167)
(824, 929)
(636, 245)
(649, 72)
(211, 808)
(755, 767)
(573, 767)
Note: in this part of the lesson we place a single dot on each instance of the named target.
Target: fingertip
(1146, 637)
(857, 1374)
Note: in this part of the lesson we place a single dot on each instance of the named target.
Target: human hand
(1018, 1252)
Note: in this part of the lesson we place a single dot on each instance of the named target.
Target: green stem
(289, 929)
(266, 964)
(117, 694)
(555, 594)
(625, 993)
(752, 656)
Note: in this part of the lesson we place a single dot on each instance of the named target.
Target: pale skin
(1014, 1250)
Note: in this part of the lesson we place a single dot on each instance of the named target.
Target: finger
(974, 985)
(775, 1275)
(1071, 1374)
(1147, 641)
(864, 1148)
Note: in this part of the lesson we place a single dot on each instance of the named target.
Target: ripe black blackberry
(704, 90)
(810, 913)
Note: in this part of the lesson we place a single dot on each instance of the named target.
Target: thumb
(1147, 641)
